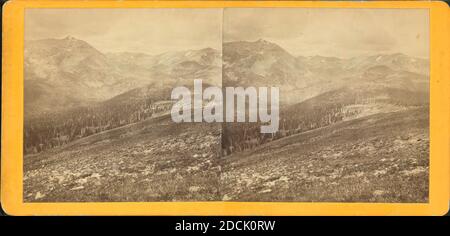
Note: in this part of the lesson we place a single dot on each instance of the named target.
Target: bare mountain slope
(153, 160)
(350, 129)
(377, 158)
(260, 63)
(330, 90)
(68, 72)
(263, 63)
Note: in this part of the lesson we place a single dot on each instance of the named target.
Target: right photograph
(353, 105)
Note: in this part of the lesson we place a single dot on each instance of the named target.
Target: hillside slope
(153, 160)
(69, 72)
(377, 158)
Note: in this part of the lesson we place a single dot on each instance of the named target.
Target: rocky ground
(378, 158)
(134, 163)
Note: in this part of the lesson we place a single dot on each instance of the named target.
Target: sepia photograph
(226, 104)
(98, 101)
(354, 105)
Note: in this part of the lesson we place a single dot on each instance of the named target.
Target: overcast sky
(333, 32)
(151, 31)
(307, 32)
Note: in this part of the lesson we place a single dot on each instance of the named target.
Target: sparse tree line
(51, 130)
(55, 129)
(238, 137)
(309, 115)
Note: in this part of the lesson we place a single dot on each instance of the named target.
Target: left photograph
(97, 103)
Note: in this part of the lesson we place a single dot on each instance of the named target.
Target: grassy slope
(379, 158)
(147, 161)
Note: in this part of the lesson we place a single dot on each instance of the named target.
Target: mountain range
(350, 130)
(69, 72)
(262, 63)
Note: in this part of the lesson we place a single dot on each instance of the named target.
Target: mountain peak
(70, 43)
(399, 54)
(266, 44)
(69, 37)
(261, 41)
(208, 49)
(257, 48)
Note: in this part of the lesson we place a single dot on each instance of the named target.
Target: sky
(340, 33)
(151, 31)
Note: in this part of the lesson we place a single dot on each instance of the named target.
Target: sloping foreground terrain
(350, 129)
(377, 158)
(154, 160)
